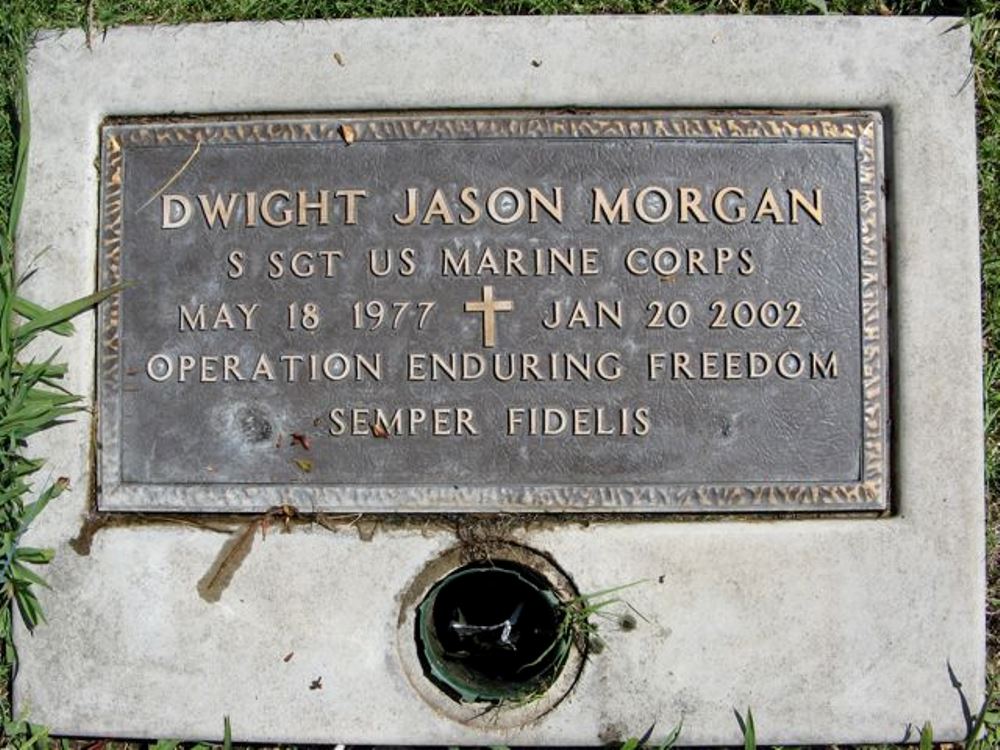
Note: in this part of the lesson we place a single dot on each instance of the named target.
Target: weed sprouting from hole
(498, 632)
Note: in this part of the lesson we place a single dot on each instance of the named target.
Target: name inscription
(493, 312)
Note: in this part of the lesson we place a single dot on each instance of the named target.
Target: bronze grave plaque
(503, 311)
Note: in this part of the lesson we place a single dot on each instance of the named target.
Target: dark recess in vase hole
(493, 627)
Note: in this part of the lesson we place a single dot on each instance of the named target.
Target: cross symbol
(489, 307)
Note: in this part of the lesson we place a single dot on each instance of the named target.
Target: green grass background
(20, 18)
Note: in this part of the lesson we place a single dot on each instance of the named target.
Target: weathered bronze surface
(647, 311)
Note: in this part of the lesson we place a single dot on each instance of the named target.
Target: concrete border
(862, 618)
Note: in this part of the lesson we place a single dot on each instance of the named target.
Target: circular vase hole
(492, 632)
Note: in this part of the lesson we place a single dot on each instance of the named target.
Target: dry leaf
(379, 431)
(288, 512)
(304, 464)
(303, 440)
(366, 529)
(338, 58)
(347, 133)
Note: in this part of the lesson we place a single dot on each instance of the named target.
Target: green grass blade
(54, 398)
(31, 419)
(21, 163)
(48, 371)
(34, 555)
(30, 311)
(39, 736)
(927, 737)
(6, 308)
(977, 726)
(613, 590)
(26, 575)
(748, 729)
(54, 317)
(27, 605)
(23, 467)
(671, 739)
(31, 511)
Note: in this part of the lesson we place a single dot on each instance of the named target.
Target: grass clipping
(218, 577)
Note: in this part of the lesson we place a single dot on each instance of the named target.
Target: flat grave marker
(811, 536)
(662, 311)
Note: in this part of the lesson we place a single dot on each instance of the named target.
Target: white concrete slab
(832, 630)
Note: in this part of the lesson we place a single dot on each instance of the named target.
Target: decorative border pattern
(863, 129)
